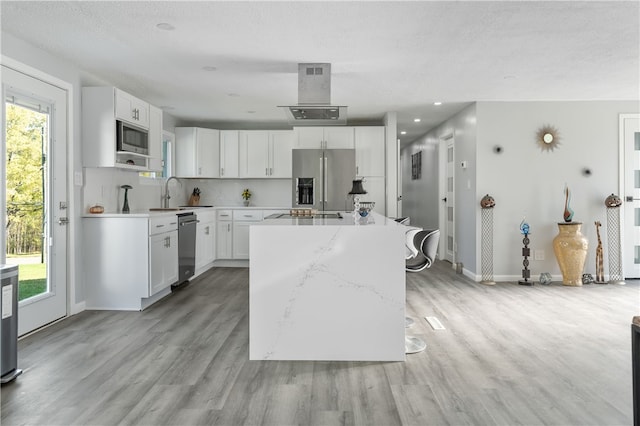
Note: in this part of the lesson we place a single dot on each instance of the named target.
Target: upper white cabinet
(101, 107)
(265, 154)
(155, 139)
(280, 150)
(229, 153)
(131, 109)
(197, 152)
(370, 150)
(324, 137)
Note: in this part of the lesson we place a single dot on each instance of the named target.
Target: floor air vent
(435, 323)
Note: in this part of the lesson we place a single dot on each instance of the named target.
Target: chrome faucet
(167, 196)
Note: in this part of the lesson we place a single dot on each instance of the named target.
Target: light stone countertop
(146, 213)
(374, 219)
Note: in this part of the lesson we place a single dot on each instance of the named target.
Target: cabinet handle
(221, 171)
(229, 227)
(159, 226)
(266, 171)
(167, 242)
(248, 215)
(357, 170)
(206, 230)
(271, 171)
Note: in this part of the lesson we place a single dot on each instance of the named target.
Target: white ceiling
(385, 56)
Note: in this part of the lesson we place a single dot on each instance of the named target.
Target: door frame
(73, 179)
(621, 181)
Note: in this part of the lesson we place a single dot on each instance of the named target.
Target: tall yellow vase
(570, 248)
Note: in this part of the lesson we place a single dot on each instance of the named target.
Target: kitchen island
(327, 289)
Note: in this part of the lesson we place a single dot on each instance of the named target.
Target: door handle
(444, 199)
(326, 179)
(629, 198)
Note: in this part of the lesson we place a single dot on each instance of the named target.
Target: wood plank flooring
(509, 355)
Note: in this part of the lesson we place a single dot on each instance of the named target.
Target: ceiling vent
(314, 98)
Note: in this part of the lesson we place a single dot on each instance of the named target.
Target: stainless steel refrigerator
(322, 178)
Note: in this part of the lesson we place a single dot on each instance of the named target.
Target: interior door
(34, 138)
(447, 190)
(631, 200)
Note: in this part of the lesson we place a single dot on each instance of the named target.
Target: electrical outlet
(538, 254)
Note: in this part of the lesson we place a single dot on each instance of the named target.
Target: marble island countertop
(348, 219)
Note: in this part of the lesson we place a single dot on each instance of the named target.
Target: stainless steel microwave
(132, 138)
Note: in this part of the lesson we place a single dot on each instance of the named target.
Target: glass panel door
(34, 137)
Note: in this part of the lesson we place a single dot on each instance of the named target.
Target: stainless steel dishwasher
(186, 246)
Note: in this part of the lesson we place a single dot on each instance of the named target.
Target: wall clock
(548, 138)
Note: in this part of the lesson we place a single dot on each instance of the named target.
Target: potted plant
(246, 195)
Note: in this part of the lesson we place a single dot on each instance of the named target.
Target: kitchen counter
(156, 213)
(327, 289)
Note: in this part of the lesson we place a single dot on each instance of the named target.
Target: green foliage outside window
(25, 161)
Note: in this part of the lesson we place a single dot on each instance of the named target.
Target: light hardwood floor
(509, 355)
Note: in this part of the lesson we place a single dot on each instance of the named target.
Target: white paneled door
(34, 129)
(447, 191)
(630, 127)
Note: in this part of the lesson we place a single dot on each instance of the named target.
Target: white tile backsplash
(102, 186)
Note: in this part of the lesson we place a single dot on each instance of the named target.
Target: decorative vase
(246, 203)
(570, 248)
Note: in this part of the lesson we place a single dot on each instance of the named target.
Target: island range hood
(314, 98)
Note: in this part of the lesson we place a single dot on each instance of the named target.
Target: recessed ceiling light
(417, 120)
(233, 95)
(437, 103)
(403, 132)
(251, 112)
(210, 68)
(165, 26)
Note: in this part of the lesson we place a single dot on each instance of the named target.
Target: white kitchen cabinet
(280, 151)
(205, 239)
(131, 109)
(99, 139)
(370, 150)
(229, 153)
(163, 265)
(197, 152)
(265, 154)
(155, 139)
(242, 221)
(129, 262)
(224, 234)
(332, 137)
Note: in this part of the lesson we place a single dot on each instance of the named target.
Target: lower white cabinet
(205, 239)
(224, 235)
(129, 261)
(163, 265)
(242, 220)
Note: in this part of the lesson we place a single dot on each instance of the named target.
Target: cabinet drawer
(225, 214)
(158, 225)
(247, 215)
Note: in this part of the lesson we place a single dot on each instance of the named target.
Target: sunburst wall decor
(548, 138)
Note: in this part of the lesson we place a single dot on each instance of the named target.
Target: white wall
(525, 181)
